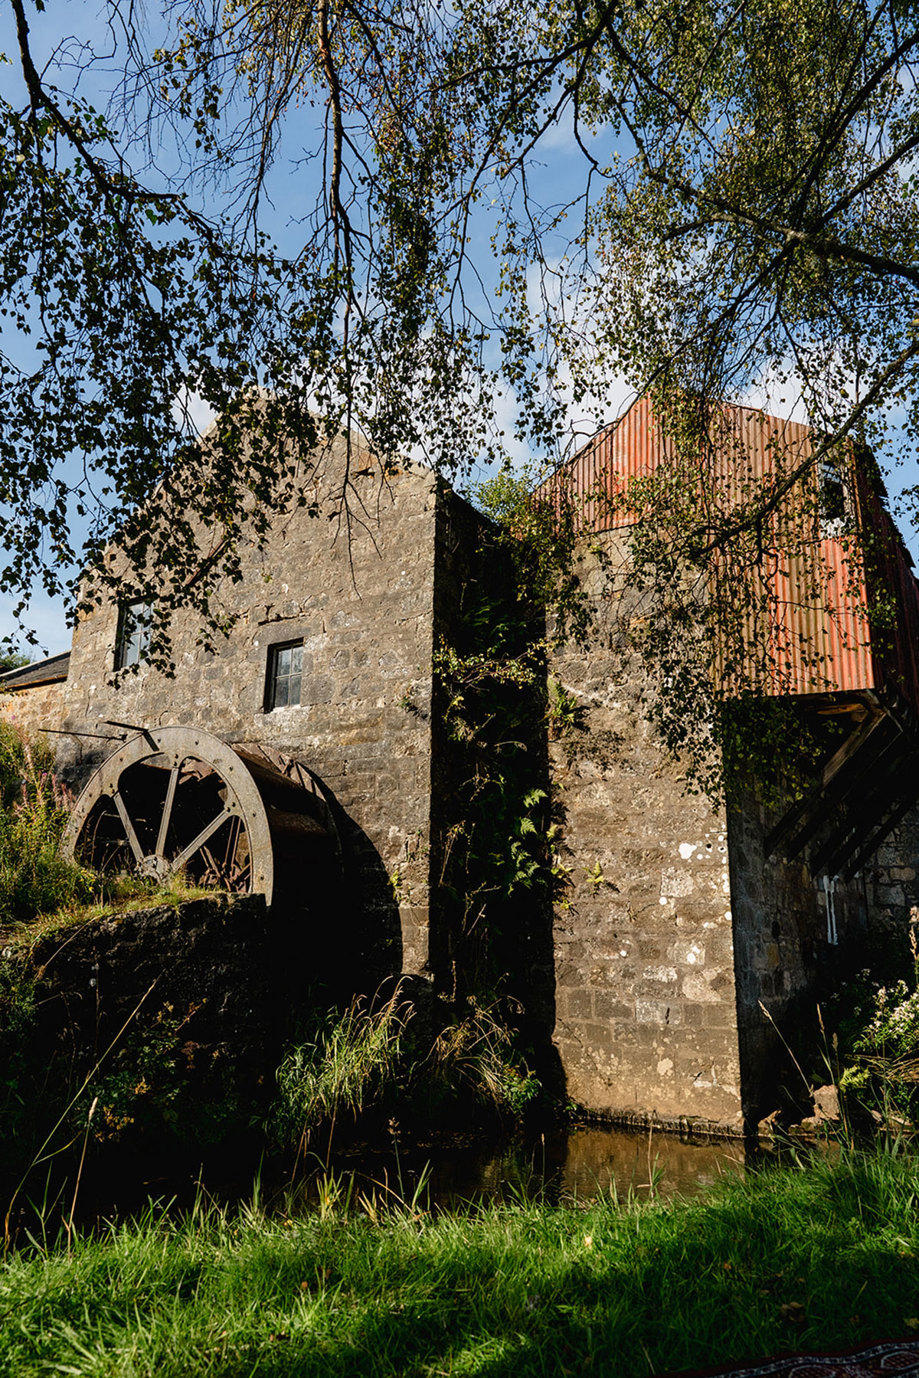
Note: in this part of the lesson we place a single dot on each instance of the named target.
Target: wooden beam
(907, 801)
(863, 782)
(876, 803)
(836, 778)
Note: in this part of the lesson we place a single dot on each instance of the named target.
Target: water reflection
(566, 1166)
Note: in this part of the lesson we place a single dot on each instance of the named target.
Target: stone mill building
(319, 739)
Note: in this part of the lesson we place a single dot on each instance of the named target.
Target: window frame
(133, 637)
(834, 497)
(272, 676)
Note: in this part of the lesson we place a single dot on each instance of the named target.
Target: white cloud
(778, 392)
(191, 413)
(594, 411)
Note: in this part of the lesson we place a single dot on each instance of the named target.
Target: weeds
(882, 1072)
(113, 896)
(344, 1063)
(46, 1152)
(34, 877)
(878, 1043)
(383, 1060)
(18, 1003)
(477, 1054)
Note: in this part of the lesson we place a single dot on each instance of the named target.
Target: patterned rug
(899, 1357)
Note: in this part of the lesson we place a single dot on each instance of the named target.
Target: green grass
(822, 1258)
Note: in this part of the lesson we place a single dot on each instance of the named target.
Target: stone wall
(491, 938)
(690, 967)
(461, 536)
(174, 1016)
(892, 888)
(646, 1014)
(35, 709)
(362, 601)
(791, 954)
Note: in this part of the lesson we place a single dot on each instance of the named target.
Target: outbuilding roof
(46, 671)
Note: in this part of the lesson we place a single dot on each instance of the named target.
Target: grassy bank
(826, 1257)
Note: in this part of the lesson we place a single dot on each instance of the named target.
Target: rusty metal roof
(819, 584)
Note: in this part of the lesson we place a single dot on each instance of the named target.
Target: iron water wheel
(175, 800)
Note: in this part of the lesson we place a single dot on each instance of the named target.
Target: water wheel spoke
(197, 843)
(167, 810)
(229, 851)
(128, 826)
(238, 872)
(213, 873)
(226, 872)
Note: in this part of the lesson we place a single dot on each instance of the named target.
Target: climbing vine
(502, 868)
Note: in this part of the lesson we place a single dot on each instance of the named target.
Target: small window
(133, 633)
(834, 503)
(285, 667)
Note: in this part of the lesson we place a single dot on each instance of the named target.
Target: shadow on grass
(791, 1261)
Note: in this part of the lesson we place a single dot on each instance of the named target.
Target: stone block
(687, 952)
(654, 948)
(608, 1005)
(658, 1012)
(579, 1003)
(700, 987)
(600, 1037)
(654, 980)
(718, 1016)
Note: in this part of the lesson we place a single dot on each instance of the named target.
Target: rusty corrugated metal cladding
(831, 604)
(595, 482)
(893, 594)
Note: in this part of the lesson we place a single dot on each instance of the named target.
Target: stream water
(569, 1165)
(564, 1166)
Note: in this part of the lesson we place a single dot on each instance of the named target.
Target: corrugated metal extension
(809, 590)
